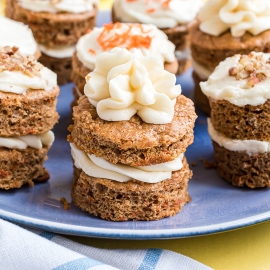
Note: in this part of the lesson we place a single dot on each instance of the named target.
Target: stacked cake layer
(28, 96)
(128, 138)
(223, 30)
(238, 91)
(57, 26)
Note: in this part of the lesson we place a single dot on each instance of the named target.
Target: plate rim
(153, 234)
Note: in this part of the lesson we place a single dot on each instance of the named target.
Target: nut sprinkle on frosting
(252, 67)
(12, 60)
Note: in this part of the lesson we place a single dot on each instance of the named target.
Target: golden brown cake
(220, 32)
(238, 91)
(28, 96)
(128, 139)
(57, 26)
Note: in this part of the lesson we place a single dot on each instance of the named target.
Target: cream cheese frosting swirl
(148, 38)
(218, 16)
(162, 13)
(55, 6)
(19, 83)
(17, 34)
(98, 167)
(223, 86)
(19, 73)
(22, 142)
(125, 83)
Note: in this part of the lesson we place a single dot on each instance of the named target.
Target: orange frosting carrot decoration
(166, 3)
(108, 39)
(92, 51)
(150, 10)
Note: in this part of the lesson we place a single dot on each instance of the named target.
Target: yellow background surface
(246, 248)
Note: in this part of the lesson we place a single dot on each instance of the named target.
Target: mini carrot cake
(173, 17)
(17, 34)
(57, 26)
(148, 38)
(130, 132)
(28, 96)
(238, 91)
(226, 28)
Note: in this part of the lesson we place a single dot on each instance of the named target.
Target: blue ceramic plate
(216, 206)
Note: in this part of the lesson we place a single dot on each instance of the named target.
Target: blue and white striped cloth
(31, 249)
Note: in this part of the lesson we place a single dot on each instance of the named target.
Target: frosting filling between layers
(58, 51)
(70, 6)
(162, 13)
(251, 147)
(17, 34)
(22, 142)
(150, 40)
(100, 168)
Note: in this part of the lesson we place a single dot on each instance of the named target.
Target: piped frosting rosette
(125, 83)
(218, 16)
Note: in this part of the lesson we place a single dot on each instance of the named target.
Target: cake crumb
(31, 184)
(193, 164)
(65, 203)
(209, 165)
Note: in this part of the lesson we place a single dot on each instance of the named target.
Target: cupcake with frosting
(130, 132)
(28, 96)
(148, 38)
(17, 34)
(57, 26)
(226, 28)
(173, 17)
(238, 91)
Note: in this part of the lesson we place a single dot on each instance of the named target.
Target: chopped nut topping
(12, 60)
(252, 67)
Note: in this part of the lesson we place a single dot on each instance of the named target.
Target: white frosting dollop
(251, 147)
(217, 16)
(17, 34)
(160, 46)
(70, 6)
(58, 51)
(97, 167)
(221, 86)
(19, 83)
(22, 142)
(162, 13)
(125, 83)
